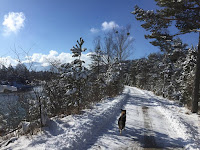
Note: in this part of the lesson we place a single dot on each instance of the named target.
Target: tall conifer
(185, 15)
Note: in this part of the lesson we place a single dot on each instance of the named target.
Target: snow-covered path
(152, 122)
(149, 125)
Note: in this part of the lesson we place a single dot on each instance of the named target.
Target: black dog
(122, 121)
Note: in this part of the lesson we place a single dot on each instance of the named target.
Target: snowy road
(152, 123)
(146, 126)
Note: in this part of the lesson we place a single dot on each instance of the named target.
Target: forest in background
(71, 87)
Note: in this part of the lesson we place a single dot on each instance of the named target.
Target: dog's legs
(120, 132)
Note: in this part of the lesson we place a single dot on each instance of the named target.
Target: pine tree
(3, 72)
(97, 58)
(154, 75)
(113, 79)
(185, 16)
(76, 75)
(186, 78)
(98, 68)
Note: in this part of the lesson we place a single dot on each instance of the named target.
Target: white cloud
(94, 30)
(37, 60)
(109, 25)
(13, 22)
(105, 26)
(54, 56)
(6, 61)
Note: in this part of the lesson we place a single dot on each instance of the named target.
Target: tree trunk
(163, 88)
(40, 105)
(195, 96)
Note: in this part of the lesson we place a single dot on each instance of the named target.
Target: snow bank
(7, 87)
(91, 122)
(166, 122)
(184, 124)
(186, 127)
(72, 132)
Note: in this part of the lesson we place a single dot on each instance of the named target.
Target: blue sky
(51, 27)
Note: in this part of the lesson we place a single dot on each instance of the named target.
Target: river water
(10, 100)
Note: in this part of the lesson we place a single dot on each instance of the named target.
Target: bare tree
(108, 46)
(123, 43)
(117, 44)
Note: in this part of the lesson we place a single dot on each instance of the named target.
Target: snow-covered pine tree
(176, 58)
(172, 68)
(142, 72)
(55, 90)
(186, 79)
(112, 79)
(154, 76)
(75, 76)
(185, 16)
(3, 72)
(22, 72)
(132, 73)
(34, 106)
(98, 68)
(11, 112)
(97, 58)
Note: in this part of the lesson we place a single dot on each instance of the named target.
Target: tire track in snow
(148, 133)
(149, 139)
(183, 129)
(97, 128)
(157, 131)
(153, 132)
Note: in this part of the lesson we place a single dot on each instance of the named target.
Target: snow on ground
(7, 87)
(152, 122)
